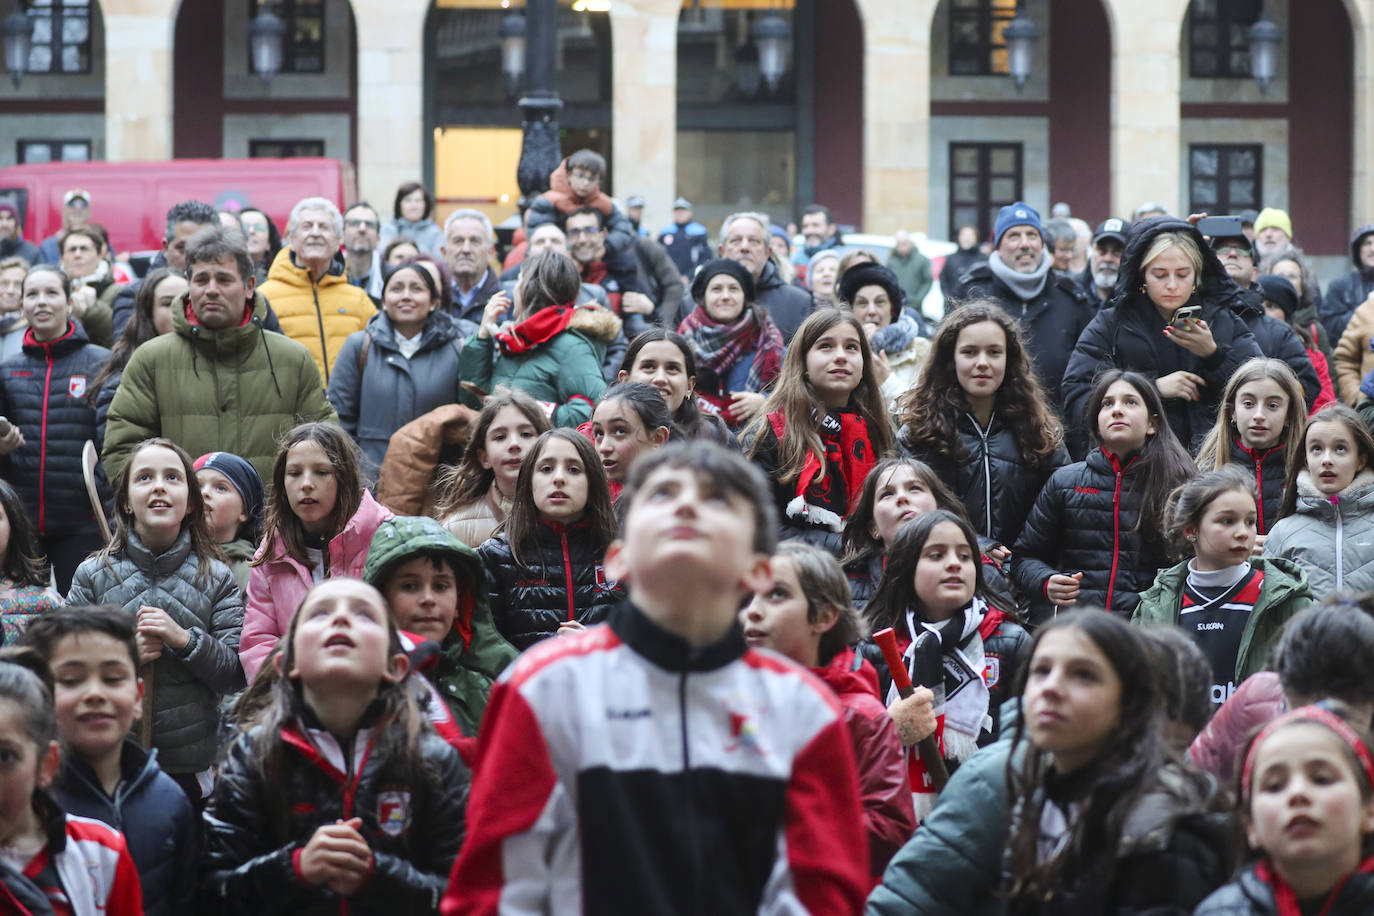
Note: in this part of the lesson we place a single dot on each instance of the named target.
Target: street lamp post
(773, 39)
(17, 30)
(1265, 38)
(513, 51)
(1020, 36)
(266, 34)
(541, 151)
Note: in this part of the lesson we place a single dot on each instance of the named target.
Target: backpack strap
(363, 351)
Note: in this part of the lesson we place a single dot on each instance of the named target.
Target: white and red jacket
(622, 770)
(93, 864)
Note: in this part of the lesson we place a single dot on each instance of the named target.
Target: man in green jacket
(912, 269)
(218, 382)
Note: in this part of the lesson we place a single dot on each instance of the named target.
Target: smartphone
(1221, 227)
(1184, 313)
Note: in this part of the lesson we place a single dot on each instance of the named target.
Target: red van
(131, 199)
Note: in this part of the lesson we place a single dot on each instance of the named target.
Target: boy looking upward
(656, 763)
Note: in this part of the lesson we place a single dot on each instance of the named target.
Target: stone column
(644, 104)
(1146, 43)
(1362, 128)
(390, 94)
(896, 104)
(138, 78)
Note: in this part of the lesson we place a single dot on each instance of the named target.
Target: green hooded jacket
(236, 390)
(1283, 594)
(474, 653)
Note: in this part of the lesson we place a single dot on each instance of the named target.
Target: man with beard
(1053, 309)
(1109, 241)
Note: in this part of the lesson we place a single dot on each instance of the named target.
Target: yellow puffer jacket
(319, 316)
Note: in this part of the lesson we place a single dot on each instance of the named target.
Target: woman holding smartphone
(1169, 319)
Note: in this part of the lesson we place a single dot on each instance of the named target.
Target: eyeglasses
(1233, 251)
(364, 223)
(583, 232)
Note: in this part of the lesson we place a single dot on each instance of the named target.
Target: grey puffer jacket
(1332, 538)
(188, 683)
(378, 393)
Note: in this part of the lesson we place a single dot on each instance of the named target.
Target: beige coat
(1352, 358)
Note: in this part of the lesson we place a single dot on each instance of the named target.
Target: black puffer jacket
(1051, 321)
(1268, 469)
(1129, 334)
(414, 823)
(562, 579)
(994, 481)
(1278, 341)
(1345, 293)
(43, 392)
(1084, 521)
(1250, 896)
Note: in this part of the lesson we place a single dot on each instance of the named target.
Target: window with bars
(1219, 37)
(1225, 177)
(303, 49)
(284, 149)
(52, 151)
(983, 178)
(61, 36)
(976, 46)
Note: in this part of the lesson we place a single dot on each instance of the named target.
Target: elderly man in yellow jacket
(308, 284)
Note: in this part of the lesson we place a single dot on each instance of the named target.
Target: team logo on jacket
(744, 734)
(992, 670)
(393, 812)
(76, 386)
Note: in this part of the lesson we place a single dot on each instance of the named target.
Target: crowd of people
(632, 573)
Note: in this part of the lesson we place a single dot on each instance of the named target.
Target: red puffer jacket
(889, 819)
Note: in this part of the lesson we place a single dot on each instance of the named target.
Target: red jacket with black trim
(412, 821)
(621, 770)
(889, 818)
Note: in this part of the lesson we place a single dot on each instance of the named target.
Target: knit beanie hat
(1281, 292)
(1273, 218)
(245, 479)
(1017, 214)
(13, 210)
(722, 266)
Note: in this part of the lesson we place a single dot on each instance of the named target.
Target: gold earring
(1143, 290)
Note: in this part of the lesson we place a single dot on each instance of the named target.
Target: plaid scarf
(721, 346)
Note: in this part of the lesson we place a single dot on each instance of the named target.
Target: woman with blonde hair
(1171, 319)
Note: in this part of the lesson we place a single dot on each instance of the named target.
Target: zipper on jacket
(1259, 490)
(987, 476)
(567, 572)
(1116, 532)
(319, 321)
(43, 446)
(689, 808)
(1340, 536)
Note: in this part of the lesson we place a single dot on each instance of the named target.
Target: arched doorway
(472, 136)
(221, 108)
(990, 144)
(1289, 147)
(58, 111)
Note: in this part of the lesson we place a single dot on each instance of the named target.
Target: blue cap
(1017, 214)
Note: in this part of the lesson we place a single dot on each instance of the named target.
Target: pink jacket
(277, 587)
(1218, 747)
